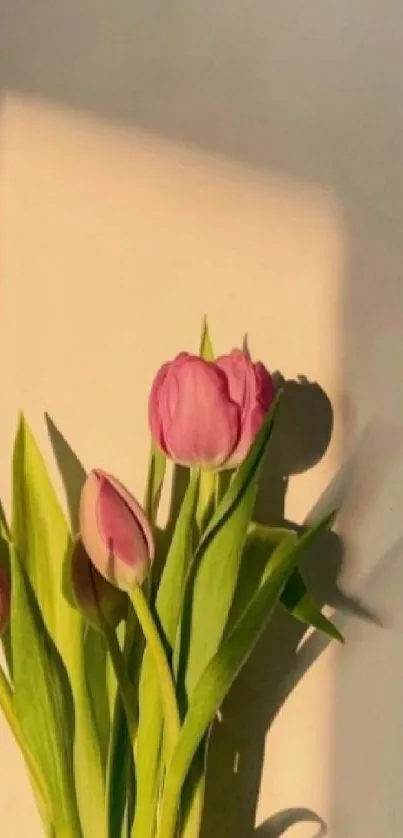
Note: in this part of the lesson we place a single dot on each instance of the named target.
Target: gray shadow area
(311, 91)
(280, 823)
(71, 470)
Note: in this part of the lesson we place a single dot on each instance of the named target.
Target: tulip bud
(115, 531)
(5, 600)
(208, 413)
(251, 387)
(96, 598)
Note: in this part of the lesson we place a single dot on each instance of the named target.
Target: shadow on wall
(307, 90)
(311, 91)
(301, 437)
(300, 440)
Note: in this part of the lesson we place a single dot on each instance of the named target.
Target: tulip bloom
(5, 600)
(96, 598)
(115, 531)
(208, 413)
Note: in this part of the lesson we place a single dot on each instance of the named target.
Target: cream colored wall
(113, 246)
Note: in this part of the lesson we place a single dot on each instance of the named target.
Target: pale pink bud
(96, 598)
(208, 413)
(115, 531)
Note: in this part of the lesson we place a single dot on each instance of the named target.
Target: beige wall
(113, 246)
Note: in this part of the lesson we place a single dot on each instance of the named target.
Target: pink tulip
(96, 598)
(115, 531)
(208, 413)
(5, 600)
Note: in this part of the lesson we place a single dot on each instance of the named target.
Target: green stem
(128, 694)
(166, 683)
(206, 499)
(196, 787)
(170, 808)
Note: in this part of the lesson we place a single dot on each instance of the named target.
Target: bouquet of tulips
(122, 640)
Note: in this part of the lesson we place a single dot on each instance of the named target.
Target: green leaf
(120, 776)
(260, 543)
(40, 534)
(206, 347)
(217, 563)
(6, 638)
(95, 664)
(301, 604)
(43, 701)
(37, 780)
(4, 528)
(172, 585)
(169, 606)
(223, 668)
(42, 539)
(120, 773)
(155, 480)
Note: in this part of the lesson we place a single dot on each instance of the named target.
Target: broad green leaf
(217, 563)
(43, 701)
(172, 585)
(260, 543)
(42, 540)
(41, 535)
(95, 663)
(223, 668)
(206, 347)
(301, 604)
(169, 606)
(37, 780)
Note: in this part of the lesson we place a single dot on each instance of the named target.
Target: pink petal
(240, 376)
(265, 386)
(250, 429)
(104, 522)
(163, 398)
(155, 411)
(251, 386)
(118, 526)
(204, 425)
(134, 506)
(89, 530)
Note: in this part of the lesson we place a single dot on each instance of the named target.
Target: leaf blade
(296, 598)
(214, 580)
(300, 603)
(222, 669)
(42, 540)
(42, 699)
(206, 347)
(168, 605)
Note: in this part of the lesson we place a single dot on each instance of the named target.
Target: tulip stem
(206, 499)
(128, 694)
(165, 679)
(194, 795)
